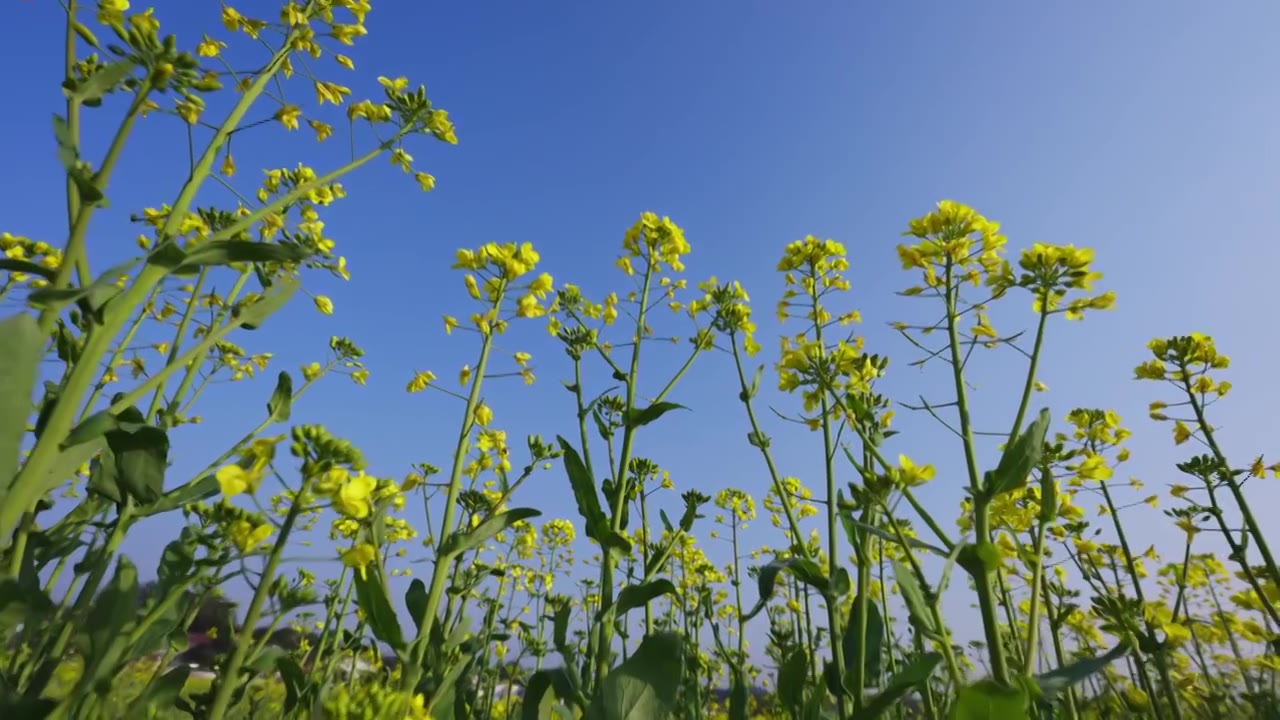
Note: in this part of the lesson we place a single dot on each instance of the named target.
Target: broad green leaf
(371, 597)
(113, 609)
(588, 499)
(226, 252)
(987, 700)
(913, 596)
(95, 294)
(460, 542)
(792, 675)
(638, 417)
(176, 561)
(1019, 458)
(1055, 681)
(646, 685)
(806, 571)
(90, 90)
(911, 677)
(20, 353)
(140, 458)
(95, 426)
(18, 601)
(872, 638)
(280, 406)
(415, 599)
(541, 692)
(637, 596)
(252, 315)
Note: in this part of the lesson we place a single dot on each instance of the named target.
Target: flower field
(622, 611)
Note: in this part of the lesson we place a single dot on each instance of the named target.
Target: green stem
(441, 570)
(608, 559)
(1033, 615)
(73, 133)
(73, 256)
(981, 505)
(230, 674)
(178, 337)
(1246, 513)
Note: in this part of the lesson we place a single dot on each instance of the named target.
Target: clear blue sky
(1146, 130)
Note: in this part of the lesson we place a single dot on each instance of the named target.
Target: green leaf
(95, 295)
(588, 499)
(226, 252)
(1019, 458)
(202, 489)
(415, 598)
(163, 693)
(852, 526)
(112, 611)
(140, 457)
(639, 595)
(280, 406)
(295, 681)
(176, 561)
(91, 428)
(646, 685)
(90, 90)
(541, 692)
(460, 542)
(912, 676)
(19, 365)
(987, 700)
(371, 597)
(19, 601)
(873, 639)
(1055, 681)
(252, 315)
(637, 417)
(806, 571)
(792, 675)
(913, 596)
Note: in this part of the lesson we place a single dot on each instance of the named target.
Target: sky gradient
(1146, 131)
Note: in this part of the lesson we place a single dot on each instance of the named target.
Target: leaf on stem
(637, 417)
(913, 596)
(645, 686)
(588, 499)
(914, 675)
(1055, 681)
(280, 406)
(1019, 458)
(460, 542)
(639, 595)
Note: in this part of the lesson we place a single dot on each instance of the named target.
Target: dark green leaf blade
(637, 596)
(460, 542)
(639, 417)
(644, 687)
